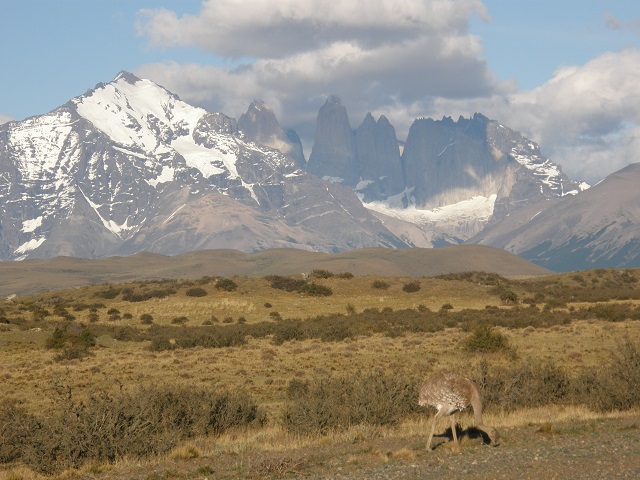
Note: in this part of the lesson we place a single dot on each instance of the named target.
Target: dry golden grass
(30, 373)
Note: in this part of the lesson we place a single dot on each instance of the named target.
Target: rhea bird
(450, 393)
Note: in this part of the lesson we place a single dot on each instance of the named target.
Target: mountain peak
(127, 77)
(259, 121)
(333, 100)
(259, 124)
(259, 105)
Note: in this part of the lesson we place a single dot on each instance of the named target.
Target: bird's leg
(433, 427)
(453, 428)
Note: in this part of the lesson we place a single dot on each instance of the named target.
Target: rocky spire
(378, 158)
(334, 149)
(259, 124)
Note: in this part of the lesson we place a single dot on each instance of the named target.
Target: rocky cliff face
(259, 124)
(447, 162)
(378, 164)
(452, 179)
(334, 151)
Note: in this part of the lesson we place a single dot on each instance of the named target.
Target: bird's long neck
(476, 404)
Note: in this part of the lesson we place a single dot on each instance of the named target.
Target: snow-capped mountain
(128, 166)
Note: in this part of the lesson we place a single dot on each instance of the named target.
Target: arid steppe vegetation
(256, 377)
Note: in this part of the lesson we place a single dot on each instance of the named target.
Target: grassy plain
(123, 359)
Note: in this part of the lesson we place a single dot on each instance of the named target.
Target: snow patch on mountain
(28, 246)
(477, 209)
(42, 140)
(208, 161)
(119, 231)
(544, 169)
(30, 226)
(166, 175)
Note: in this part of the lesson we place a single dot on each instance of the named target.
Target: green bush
(486, 339)
(446, 307)
(345, 275)
(316, 290)
(288, 284)
(226, 284)
(411, 287)
(109, 293)
(380, 284)
(75, 335)
(131, 295)
(319, 273)
(196, 292)
(506, 295)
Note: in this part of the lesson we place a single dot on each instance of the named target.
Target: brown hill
(30, 276)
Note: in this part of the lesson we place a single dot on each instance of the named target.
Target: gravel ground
(592, 450)
(602, 449)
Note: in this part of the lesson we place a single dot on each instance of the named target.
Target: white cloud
(263, 28)
(401, 59)
(372, 53)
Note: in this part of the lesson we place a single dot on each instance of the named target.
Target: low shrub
(75, 335)
(335, 404)
(344, 275)
(319, 273)
(316, 290)
(288, 284)
(226, 284)
(196, 292)
(131, 295)
(486, 339)
(615, 385)
(506, 295)
(411, 287)
(525, 385)
(108, 293)
(380, 284)
(106, 427)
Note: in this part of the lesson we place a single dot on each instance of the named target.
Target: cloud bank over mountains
(378, 55)
(404, 60)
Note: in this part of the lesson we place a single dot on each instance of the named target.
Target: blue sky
(562, 72)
